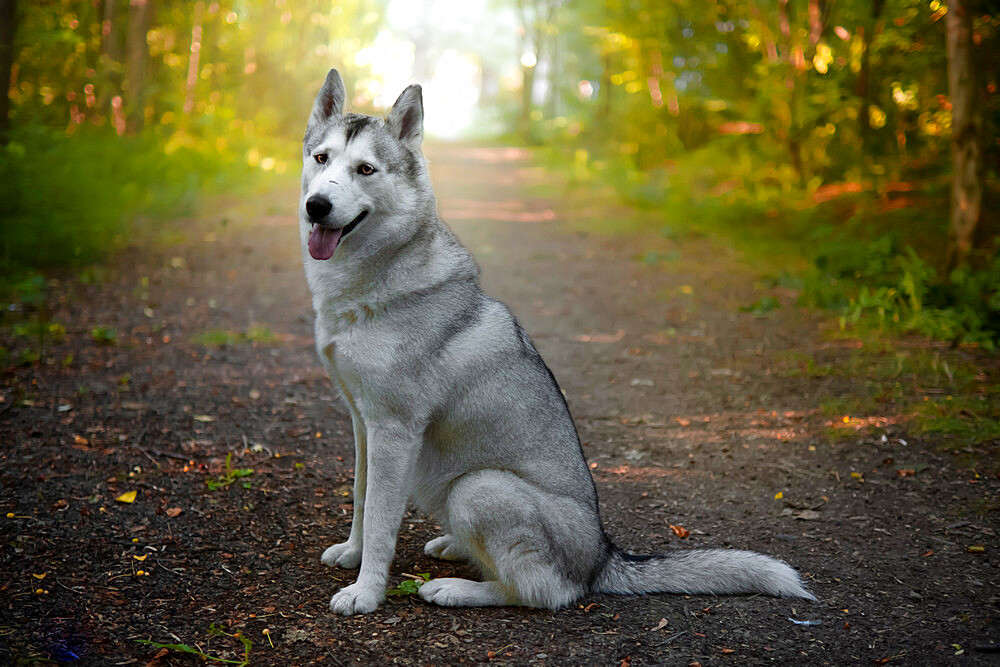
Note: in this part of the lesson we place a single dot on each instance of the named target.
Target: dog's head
(359, 172)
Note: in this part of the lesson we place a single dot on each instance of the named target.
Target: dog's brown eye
(366, 169)
(321, 158)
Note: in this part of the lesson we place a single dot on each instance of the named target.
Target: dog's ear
(330, 101)
(406, 119)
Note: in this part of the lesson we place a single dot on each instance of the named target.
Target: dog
(451, 404)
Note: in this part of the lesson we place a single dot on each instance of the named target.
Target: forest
(821, 125)
(755, 241)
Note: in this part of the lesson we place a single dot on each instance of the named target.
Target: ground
(691, 413)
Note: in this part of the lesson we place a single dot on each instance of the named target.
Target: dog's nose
(318, 207)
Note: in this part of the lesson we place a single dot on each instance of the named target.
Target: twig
(670, 638)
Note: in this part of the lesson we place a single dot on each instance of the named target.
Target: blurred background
(818, 132)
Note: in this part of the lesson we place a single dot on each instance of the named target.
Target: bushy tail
(700, 571)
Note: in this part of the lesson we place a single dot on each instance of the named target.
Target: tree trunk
(8, 26)
(194, 58)
(136, 62)
(863, 85)
(968, 166)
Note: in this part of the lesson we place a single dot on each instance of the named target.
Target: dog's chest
(367, 367)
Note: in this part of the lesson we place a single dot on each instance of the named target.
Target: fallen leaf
(173, 512)
(682, 421)
(906, 472)
(141, 558)
(40, 576)
(589, 607)
(601, 338)
(80, 440)
(976, 549)
(728, 650)
(127, 497)
(626, 661)
(659, 626)
(679, 531)
(929, 553)
(779, 495)
(204, 418)
(808, 515)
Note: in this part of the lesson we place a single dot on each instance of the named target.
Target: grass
(256, 334)
(213, 631)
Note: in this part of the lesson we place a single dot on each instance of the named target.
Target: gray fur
(451, 403)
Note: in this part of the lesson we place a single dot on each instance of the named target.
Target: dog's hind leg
(445, 547)
(500, 520)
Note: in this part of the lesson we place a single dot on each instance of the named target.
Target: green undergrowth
(874, 258)
(70, 202)
(947, 396)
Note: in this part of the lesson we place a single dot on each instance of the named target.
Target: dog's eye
(321, 158)
(366, 169)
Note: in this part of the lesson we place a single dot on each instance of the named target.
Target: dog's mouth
(324, 240)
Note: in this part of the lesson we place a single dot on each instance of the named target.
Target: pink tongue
(323, 241)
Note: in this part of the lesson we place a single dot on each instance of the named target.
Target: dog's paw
(444, 547)
(454, 592)
(355, 599)
(344, 554)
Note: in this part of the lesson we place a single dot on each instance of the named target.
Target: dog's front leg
(392, 453)
(348, 554)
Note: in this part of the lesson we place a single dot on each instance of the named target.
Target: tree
(8, 26)
(136, 63)
(968, 166)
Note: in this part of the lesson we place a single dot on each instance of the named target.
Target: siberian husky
(451, 403)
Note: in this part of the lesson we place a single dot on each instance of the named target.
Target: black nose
(318, 207)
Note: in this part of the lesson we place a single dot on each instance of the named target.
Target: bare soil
(686, 418)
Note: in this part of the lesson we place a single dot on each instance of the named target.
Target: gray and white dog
(451, 403)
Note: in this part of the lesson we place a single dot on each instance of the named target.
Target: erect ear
(330, 101)
(406, 119)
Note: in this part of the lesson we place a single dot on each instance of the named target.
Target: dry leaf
(141, 558)
(127, 497)
(906, 472)
(80, 440)
(779, 495)
(173, 512)
(976, 549)
(659, 626)
(728, 650)
(679, 531)
(589, 607)
(204, 418)
(601, 338)
(40, 576)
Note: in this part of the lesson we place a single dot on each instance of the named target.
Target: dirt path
(687, 416)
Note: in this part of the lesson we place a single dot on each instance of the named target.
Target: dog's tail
(718, 571)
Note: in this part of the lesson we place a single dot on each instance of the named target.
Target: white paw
(355, 599)
(344, 554)
(444, 547)
(454, 592)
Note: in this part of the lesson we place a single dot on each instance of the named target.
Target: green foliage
(409, 586)
(229, 475)
(961, 420)
(762, 306)
(213, 631)
(877, 283)
(104, 335)
(68, 201)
